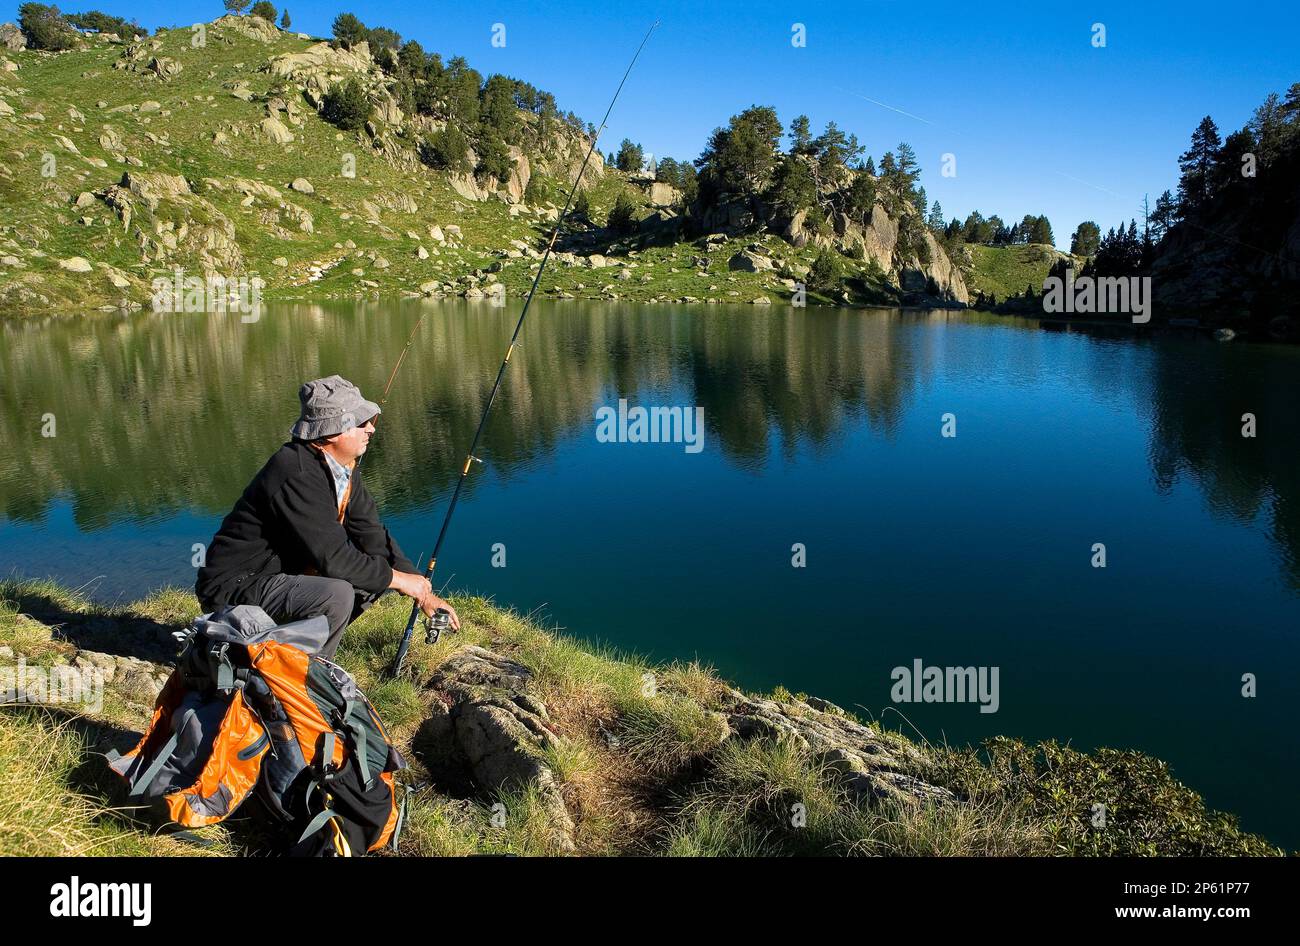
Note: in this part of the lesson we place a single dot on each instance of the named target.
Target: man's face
(348, 446)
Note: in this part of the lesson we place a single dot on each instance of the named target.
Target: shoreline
(614, 731)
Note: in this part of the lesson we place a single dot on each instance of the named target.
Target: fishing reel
(435, 624)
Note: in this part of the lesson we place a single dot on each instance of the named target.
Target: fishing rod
(433, 631)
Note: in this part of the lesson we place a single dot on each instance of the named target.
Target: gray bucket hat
(331, 406)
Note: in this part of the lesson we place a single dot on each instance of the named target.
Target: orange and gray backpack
(253, 708)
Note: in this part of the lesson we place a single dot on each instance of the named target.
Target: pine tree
(1086, 239)
(347, 28)
(908, 169)
(1231, 159)
(1269, 128)
(622, 218)
(1164, 216)
(1041, 232)
(921, 202)
(630, 157)
(284, 20)
(800, 136)
(1197, 166)
(935, 221)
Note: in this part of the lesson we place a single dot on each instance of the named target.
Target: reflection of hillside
(159, 413)
(1199, 398)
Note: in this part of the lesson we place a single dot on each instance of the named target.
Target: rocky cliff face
(1239, 264)
(933, 279)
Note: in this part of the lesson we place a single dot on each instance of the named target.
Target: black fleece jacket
(286, 522)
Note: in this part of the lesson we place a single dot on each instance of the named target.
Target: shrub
(534, 191)
(582, 206)
(1147, 812)
(346, 105)
(494, 161)
(622, 219)
(264, 9)
(446, 150)
(826, 271)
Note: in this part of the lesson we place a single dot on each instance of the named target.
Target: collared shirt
(342, 475)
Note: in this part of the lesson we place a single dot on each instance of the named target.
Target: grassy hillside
(1003, 271)
(649, 770)
(73, 125)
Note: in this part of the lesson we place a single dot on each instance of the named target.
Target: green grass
(641, 761)
(1003, 271)
(40, 217)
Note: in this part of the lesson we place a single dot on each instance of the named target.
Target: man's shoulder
(291, 460)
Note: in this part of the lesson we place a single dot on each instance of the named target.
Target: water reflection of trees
(1200, 392)
(160, 413)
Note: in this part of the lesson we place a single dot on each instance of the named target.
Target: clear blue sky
(1040, 121)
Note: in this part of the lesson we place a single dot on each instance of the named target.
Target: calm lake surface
(821, 428)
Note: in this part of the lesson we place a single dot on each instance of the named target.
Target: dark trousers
(295, 597)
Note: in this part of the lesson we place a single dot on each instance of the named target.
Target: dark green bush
(346, 106)
(446, 150)
(1108, 802)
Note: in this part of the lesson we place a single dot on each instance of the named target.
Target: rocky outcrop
(164, 67)
(1238, 264)
(488, 732)
(867, 762)
(12, 38)
(173, 225)
(489, 725)
(254, 27)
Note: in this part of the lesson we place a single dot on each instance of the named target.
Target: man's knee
(337, 601)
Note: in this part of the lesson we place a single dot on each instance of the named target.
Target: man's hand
(433, 602)
(419, 588)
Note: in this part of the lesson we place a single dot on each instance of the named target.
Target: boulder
(868, 762)
(274, 131)
(302, 186)
(663, 195)
(111, 140)
(76, 264)
(12, 38)
(164, 67)
(747, 261)
(488, 725)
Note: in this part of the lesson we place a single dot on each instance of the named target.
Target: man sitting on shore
(305, 537)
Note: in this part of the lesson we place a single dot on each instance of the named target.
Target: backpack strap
(142, 782)
(223, 671)
(401, 818)
(327, 815)
(353, 711)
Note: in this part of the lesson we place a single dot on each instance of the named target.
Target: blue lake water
(821, 428)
